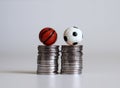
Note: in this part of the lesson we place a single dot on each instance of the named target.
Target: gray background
(21, 21)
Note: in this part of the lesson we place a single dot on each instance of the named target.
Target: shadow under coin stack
(71, 59)
(47, 62)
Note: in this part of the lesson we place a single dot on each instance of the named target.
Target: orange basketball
(48, 36)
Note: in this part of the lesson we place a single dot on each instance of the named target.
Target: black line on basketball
(53, 41)
(49, 37)
(44, 33)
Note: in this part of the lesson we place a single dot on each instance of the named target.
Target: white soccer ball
(73, 36)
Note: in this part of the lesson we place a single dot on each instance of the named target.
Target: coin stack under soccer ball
(71, 59)
(71, 54)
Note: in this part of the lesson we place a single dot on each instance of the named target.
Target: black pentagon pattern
(74, 33)
(75, 27)
(65, 38)
(75, 43)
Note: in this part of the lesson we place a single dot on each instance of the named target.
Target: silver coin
(41, 65)
(47, 73)
(75, 63)
(47, 68)
(71, 57)
(53, 48)
(63, 72)
(48, 65)
(71, 60)
(48, 54)
(70, 69)
(71, 66)
(66, 70)
(48, 47)
(47, 61)
(71, 72)
(47, 58)
(66, 48)
(48, 50)
(77, 54)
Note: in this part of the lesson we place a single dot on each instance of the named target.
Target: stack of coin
(71, 59)
(47, 62)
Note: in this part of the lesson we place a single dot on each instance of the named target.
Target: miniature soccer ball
(48, 36)
(73, 35)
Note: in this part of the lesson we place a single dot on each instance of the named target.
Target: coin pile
(71, 59)
(47, 61)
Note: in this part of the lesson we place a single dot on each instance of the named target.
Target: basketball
(48, 36)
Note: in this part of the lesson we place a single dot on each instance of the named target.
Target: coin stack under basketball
(47, 62)
(71, 59)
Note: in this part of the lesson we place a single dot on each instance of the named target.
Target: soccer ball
(73, 35)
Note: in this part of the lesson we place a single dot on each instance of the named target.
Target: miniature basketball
(48, 36)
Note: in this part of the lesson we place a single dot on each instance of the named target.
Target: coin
(47, 60)
(47, 57)
(66, 48)
(77, 54)
(70, 72)
(47, 68)
(71, 59)
(47, 73)
(54, 48)
(48, 53)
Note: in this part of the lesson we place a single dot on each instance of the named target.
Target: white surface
(97, 73)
